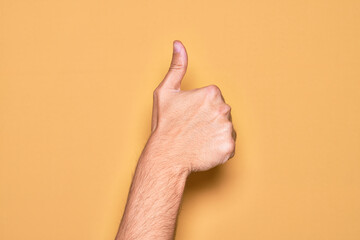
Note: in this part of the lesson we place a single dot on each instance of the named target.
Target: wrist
(156, 167)
(160, 154)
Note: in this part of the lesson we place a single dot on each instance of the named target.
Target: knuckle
(224, 109)
(228, 108)
(213, 90)
(229, 147)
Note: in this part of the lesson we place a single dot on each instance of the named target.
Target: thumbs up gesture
(193, 128)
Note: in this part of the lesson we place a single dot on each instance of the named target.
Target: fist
(193, 128)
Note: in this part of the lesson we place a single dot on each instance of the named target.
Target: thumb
(177, 68)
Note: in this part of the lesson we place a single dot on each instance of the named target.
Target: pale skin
(190, 131)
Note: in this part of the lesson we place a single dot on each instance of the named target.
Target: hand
(193, 127)
(191, 131)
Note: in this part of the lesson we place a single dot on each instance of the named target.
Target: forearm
(154, 198)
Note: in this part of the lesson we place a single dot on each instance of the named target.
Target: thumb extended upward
(177, 68)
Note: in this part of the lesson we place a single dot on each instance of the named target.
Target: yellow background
(76, 82)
